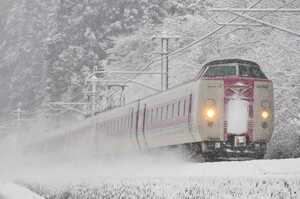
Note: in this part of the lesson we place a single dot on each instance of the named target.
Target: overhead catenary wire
(173, 53)
(254, 10)
(267, 14)
(267, 24)
(222, 26)
(158, 59)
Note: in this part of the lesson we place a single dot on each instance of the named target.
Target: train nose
(237, 116)
(238, 108)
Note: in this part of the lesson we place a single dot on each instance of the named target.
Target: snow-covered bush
(206, 188)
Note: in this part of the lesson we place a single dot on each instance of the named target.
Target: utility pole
(167, 62)
(162, 65)
(19, 134)
(94, 81)
(164, 39)
(164, 42)
(19, 115)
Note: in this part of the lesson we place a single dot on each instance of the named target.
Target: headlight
(265, 115)
(210, 113)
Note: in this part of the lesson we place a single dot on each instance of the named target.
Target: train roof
(230, 61)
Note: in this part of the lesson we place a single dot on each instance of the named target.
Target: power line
(267, 24)
(266, 14)
(172, 54)
(222, 26)
(253, 10)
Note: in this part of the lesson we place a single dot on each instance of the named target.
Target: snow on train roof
(227, 61)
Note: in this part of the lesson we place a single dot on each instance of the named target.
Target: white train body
(226, 114)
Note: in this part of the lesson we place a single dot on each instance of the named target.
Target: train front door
(140, 126)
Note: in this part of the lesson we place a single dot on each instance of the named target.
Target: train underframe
(227, 150)
(224, 150)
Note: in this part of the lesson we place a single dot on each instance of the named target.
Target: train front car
(236, 109)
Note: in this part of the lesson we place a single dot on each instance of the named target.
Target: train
(226, 111)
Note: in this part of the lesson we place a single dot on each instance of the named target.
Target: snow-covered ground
(164, 177)
(14, 191)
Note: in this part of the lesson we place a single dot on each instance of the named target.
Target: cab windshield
(251, 71)
(220, 71)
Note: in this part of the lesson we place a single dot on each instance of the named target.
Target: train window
(161, 113)
(117, 125)
(129, 121)
(113, 123)
(187, 106)
(173, 110)
(147, 117)
(220, 71)
(121, 123)
(124, 122)
(169, 111)
(184, 109)
(178, 109)
(110, 127)
(151, 115)
(251, 71)
(107, 127)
